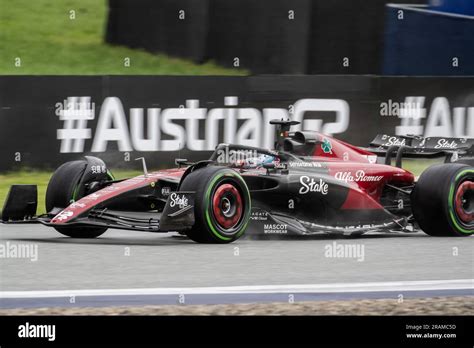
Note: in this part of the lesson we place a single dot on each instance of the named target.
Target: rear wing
(414, 146)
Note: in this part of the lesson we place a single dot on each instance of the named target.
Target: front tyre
(221, 204)
(443, 200)
(63, 189)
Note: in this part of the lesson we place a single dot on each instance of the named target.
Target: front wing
(177, 215)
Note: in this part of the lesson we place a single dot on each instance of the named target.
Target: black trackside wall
(46, 120)
(266, 36)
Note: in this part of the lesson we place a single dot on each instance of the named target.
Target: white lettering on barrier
(166, 131)
(178, 128)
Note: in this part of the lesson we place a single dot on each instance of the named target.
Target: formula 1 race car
(310, 183)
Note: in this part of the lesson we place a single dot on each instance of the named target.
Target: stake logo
(177, 200)
(311, 185)
(394, 141)
(446, 144)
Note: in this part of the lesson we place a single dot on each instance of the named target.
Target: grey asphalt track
(130, 260)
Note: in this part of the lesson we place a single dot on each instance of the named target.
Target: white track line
(424, 285)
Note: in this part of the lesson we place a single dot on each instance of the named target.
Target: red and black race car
(310, 183)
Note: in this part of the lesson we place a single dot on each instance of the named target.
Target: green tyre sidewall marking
(76, 189)
(74, 194)
(207, 201)
(451, 200)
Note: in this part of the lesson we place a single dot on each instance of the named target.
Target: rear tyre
(63, 189)
(221, 204)
(443, 200)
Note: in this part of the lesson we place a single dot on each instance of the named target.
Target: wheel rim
(227, 206)
(464, 202)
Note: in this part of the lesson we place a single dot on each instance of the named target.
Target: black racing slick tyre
(63, 190)
(221, 204)
(443, 200)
